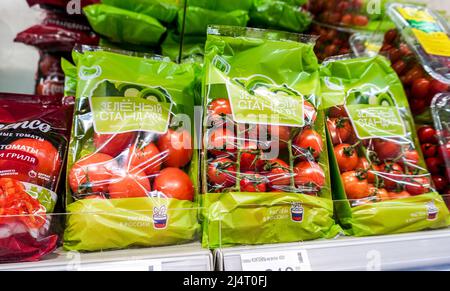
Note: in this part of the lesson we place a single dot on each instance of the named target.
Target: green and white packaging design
(268, 78)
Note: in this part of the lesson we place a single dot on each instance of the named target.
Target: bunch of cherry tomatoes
(331, 42)
(262, 158)
(375, 170)
(419, 86)
(435, 156)
(133, 164)
(339, 12)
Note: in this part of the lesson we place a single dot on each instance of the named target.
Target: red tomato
(418, 106)
(174, 183)
(429, 150)
(147, 158)
(440, 183)
(427, 134)
(444, 151)
(405, 49)
(331, 50)
(129, 185)
(177, 146)
(277, 172)
(435, 165)
(410, 157)
(394, 54)
(355, 185)
(346, 19)
(360, 20)
(222, 172)
(220, 107)
(390, 36)
(309, 174)
(418, 186)
(113, 144)
(43, 158)
(221, 142)
(437, 87)
(380, 193)
(252, 182)
(280, 135)
(308, 140)
(399, 195)
(92, 174)
(393, 175)
(346, 157)
(414, 73)
(340, 130)
(387, 150)
(420, 88)
(399, 67)
(365, 167)
(250, 156)
(337, 112)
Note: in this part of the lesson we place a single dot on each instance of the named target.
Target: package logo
(297, 212)
(160, 217)
(432, 210)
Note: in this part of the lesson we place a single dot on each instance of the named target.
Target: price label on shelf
(132, 265)
(276, 261)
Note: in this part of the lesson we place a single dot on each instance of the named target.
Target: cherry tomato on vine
(309, 140)
(364, 166)
(355, 185)
(250, 156)
(308, 173)
(387, 150)
(337, 112)
(220, 107)
(393, 175)
(222, 172)
(346, 156)
(399, 195)
(221, 142)
(276, 171)
(380, 193)
(340, 130)
(410, 157)
(253, 182)
(417, 186)
(148, 158)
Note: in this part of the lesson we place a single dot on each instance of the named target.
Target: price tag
(136, 265)
(276, 261)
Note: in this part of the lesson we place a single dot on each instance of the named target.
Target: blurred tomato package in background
(132, 168)
(440, 162)
(332, 41)
(375, 154)
(34, 136)
(265, 167)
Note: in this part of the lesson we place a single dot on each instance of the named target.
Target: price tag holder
(132, 265)
(276, 261)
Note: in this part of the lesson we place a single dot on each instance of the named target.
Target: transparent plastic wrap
(427, 33)
(132, 158)
(264, 144)
(440, 108)
(34, 133)
(375, 155)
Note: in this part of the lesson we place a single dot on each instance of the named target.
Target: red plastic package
(34, 134)
(58, 33)
(49, 76)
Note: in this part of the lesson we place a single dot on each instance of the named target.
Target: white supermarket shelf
(189, 257)
(428, 250)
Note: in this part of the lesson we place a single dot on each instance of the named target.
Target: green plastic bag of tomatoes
(132, 171)
(380, 178)
(197, 19)
(120, 25)
(163, 10)
(265, 166)
(278, 14)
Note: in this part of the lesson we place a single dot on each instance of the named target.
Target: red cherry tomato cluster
(374, 170)
(419, 86)
(435, 154)
(339, 12)
(262, 158)
(130, 165)
(16, 204)
(331, 42)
